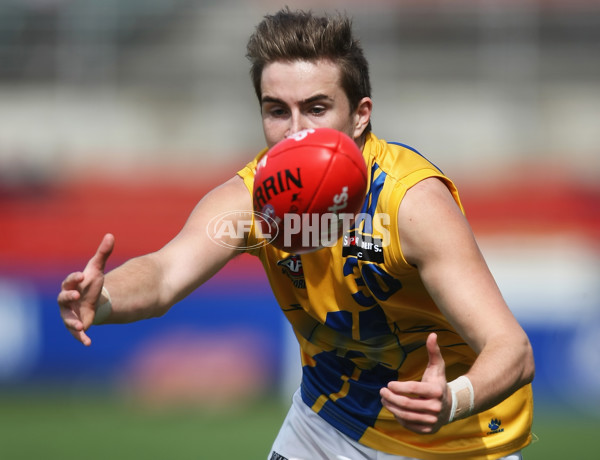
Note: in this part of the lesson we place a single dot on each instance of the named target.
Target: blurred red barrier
(61, 224)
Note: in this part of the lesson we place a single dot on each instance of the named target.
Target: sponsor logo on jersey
(370, 232)
(292, 267)
(363, 247)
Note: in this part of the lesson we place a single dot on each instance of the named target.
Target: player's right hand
(422, 407)
(80, 292)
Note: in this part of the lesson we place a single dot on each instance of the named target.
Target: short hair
(300, 35)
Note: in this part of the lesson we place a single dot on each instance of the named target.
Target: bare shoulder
(233, 190)
(430, 220)
(231, 195)
(431, 191)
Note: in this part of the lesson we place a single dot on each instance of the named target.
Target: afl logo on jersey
(292, 267)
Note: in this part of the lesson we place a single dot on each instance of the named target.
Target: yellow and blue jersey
(361, 315)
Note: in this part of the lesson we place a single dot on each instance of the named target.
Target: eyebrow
(315, 98)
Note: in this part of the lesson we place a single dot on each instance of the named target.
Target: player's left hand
(422, 407)
(80, 292)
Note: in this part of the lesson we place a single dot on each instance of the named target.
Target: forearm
(137, 291)
(502, 367)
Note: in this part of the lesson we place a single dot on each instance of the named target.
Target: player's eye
(317, 110)
(276, 111)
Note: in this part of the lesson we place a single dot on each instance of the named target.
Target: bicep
(196, 254)
(437, 239)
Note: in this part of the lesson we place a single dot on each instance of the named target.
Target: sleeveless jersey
(362, 315)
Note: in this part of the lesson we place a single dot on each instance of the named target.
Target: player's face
(299, 95)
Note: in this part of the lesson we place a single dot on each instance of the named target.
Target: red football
(309, 186)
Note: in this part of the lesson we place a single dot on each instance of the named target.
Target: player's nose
(295, 125)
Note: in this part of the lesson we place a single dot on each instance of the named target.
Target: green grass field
(37, 425)
(564, 434)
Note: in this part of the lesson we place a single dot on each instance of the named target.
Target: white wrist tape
(103, 310)
(463, 398)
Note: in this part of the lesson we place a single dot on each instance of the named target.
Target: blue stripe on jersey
(373, 323)
(416, 151)
(340, 321)
(324, 377)
(351, 414)
(371, 200)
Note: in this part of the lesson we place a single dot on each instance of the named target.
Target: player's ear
(362, 116)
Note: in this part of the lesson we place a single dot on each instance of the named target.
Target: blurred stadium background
(117, 116)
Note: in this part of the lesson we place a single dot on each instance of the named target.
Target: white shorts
(304, 435)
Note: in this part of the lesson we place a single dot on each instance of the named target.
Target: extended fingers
(66, 297)
(98, 261)
(81, 336)
(74, 325)
(70, 290)
(72, 281)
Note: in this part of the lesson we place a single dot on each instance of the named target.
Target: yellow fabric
(361, 316)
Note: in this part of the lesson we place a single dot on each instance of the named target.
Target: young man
(409, 352)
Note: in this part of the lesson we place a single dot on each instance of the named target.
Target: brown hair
(290, 36)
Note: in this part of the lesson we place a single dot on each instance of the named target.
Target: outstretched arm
(437, 239)
(149, 285)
